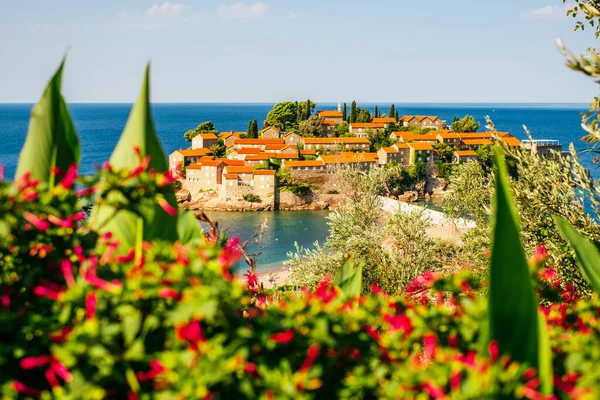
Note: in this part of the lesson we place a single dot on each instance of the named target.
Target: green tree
(312, 127)
(219, 150)
(392, 113)
(363, 115)
(376, 112)
(284, 115)
(379, 139)
(344, 113)
(390, 128)
(353, 112)
(445, 152)
(396, 115)
(204, 127)
(466, 124)
(252, 130)
(305, 110)
(341, 129)
(486, 157)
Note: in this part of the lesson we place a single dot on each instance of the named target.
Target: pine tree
(392, 113)
(344, 113)
(376, 112)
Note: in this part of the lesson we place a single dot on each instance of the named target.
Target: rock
(183, 195)
(409, 197)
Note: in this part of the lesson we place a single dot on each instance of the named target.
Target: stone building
(204, 140)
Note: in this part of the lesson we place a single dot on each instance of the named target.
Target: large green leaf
(349, 279)
(188, 227)
(150, 221)
(51, 138)
(512, 309)
(588, 257)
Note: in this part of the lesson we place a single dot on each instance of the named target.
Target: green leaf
(545, 369)
(588, 257)
(188, 227)
(124, 224)
(51, 138)
(349, 279)
(132, 323)
(512, 308)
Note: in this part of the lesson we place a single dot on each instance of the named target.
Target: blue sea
(99, 127)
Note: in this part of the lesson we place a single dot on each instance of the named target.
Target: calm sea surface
(99, 127)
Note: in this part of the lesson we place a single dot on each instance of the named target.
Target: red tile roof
(194, 152)
(420, 146)
(329, 122)
(367, 125)
(419, 118)
(194, 166)
(230, 176)
(384, 120)
(239, 170)
(336, 140)
(308, 152)
(511, 141)
(248, 150)
(259, 157)
(389, 149)
(208, 136)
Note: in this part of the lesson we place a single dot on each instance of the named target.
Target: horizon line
(320, 102)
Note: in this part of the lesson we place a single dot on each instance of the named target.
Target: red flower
(192, 333)
(283, 337)
(1, 172)
(399, 323)
(494, 351)
(101, 284)
(540, 255)
(156, 368)
(434, 391)
(26, 390)
(455, 380)
(231, 253)
(129, 257)
(35, 361)
(165, 205)
(69, 179)
(44, 291)
(251, 280)
(63, 223)
(311, 357)
(323, 292)
(36, 221)
(61, 336)
(371, 331)
(250, 368)
(85, 192)
(91, 301)
(168, 293)
(67, 269)
(430, 342)
(167, 178)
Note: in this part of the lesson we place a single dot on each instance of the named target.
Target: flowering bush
(138, 312)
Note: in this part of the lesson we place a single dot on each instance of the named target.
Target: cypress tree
(396, 115)
(252, 130)
(376, 112)
(308, 113)
(392, 113)
(344, 113)
(353, 112)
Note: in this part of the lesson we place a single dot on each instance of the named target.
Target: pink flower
(430, 343)
(61, 370)
(5, 298)
(324, 292)
(455, 381)
(191, 332)
(67, 269)
(77, 216)
(494, 351)
(35, 361)
(252, 280)
(69, 179)
(165, 205)
(85, 192)
(36, 221)
(127, 258)
(91, 301)
(60, 222)
(399, 322)
(231, 253)
(51, 378)
(434, 391)
(21, 388)
(311, 357)
(45, 291)
(374, 333)
(156, 368)
(167, 178)
(283, 337)
(61, 336)
(250, 368)
(168, 293)
(1, 172)
(101, 284)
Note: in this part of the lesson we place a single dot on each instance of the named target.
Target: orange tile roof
(206, 158)
(238, 170)
(248, 150)
(419, 118)
(315, 163)
(409, 136)
(466, 153)
(343, 158)
(475, 135)
(308, 152)
(329, 122)
(259, 157)
(420, 146)
(389, 149)
(237, 163)
(275, 146)
(384, 120)
(476, 142)
(259, 141)
(208, 136)
(401, 145)
(448, 135)
(194, 166)
(288, 156)
(330, 114)
(194, 152)
(212, 163)
(504, 134)
(230, 176)
(265, 172)
(225, 135)
(511, 141)
(336, 140)
(375, 125)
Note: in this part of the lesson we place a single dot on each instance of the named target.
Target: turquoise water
(100, 125)
(273, 233)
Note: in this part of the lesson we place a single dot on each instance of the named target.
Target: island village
(246, 170)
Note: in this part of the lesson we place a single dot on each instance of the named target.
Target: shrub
(333, 191)
(252, 198)
(85, 315)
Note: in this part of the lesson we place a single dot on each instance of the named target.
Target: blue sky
(272, 50)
